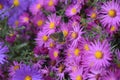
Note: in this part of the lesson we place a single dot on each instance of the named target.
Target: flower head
(110, 14)
(27, 73)
(72, 10)
(3, 50)
(99, 55)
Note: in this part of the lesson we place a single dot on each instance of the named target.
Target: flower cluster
(59, 40)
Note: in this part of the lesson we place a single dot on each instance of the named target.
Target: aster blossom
(3, 50)
(27, 73)
(99, 55)
(110, 14)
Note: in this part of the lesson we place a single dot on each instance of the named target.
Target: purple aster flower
(11, 38)
(52, 23)
(96, 74)
(99, 55)
(19, 6)
(4, 5)
(65, 29)
(110, 14)
(36, 6)
(13, 21)
(3, 50)
(39, 20)
(60, 72)
(92, 13)
(42, 39)
(72, 63)
(54, 54)
(78, 74)
(50, 5)
(24, 19)
(111, 76)
(72, 10)
(27, 73)
(75, 35)
(14, 67)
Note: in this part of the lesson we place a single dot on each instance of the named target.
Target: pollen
(11, 34)
(76, 52)
(26, 19)
(98, 54)
(16, 67)
(52, 25)
(50, 3)
(113, 28)
(51, 44)
(16, 23)
(16, 2)
(93, 15)
(61, 68)
(65, 33)
(1, 6)
(39, 22)
(74, 10)
(45, 38)
(112, 13)
(74, 35)
(55, 54)
(28, 78)
(86, 47)
(38, 6)
(79, 77)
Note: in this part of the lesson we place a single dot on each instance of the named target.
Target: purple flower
(4, 5)
(75, 35)
(99, 55)
(110, 14)
(52, 23)
(39, 20)
(3, 50)
(72, 10)
(36, 6)
(19, 6)
(50, 5)
(27, 73)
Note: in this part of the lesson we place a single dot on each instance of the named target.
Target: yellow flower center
(51, 44)
(74, 35)
(28, 78)
(118, 65)
(45, 38)
(79, 77)
(61, 68)
(55, 54)
(16, 2)
(1, 6)
(26, 19)
(11, 34)
(40, 22)
(16, 67)
(113, 28)
(74, 10)
(112, 13)
(93, 15)
(51, 3)
(16, 23)
(86, 47)
(76, 52)
(98, 54)
(38, 6)
(52, 25)
(65, 33)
